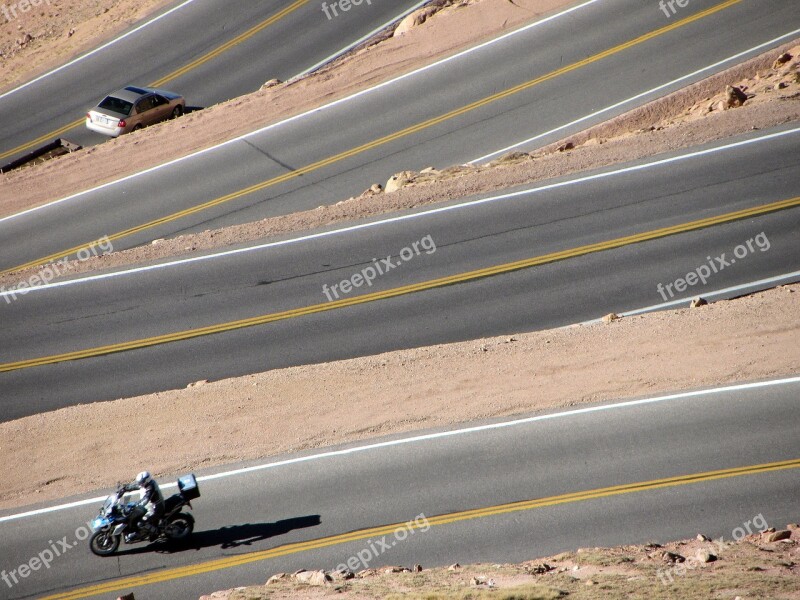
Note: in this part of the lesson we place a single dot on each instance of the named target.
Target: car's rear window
(116, 104)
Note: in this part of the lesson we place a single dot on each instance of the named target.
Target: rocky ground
(759, 565)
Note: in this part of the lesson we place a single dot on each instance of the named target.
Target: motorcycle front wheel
(179, 527)
(103, 543)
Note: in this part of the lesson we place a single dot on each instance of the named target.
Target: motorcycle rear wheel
(102, 543)
(179, 527)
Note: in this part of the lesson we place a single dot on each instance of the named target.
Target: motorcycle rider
(151, 499)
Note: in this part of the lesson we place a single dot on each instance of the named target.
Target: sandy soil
(451, 29)
(677, 121)
(43, 37)
(50, 455)
(752, 567)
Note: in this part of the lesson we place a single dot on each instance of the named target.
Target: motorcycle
(118, 518)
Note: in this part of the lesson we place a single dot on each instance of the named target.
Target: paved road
(615, 276)
(338, 152)
(327, 496)
(207, 50)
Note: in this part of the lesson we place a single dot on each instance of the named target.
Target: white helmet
(143, 478)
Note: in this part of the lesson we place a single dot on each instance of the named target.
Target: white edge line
(716, 65)
(98, 49)
(299, 116)
(439, 435)
(360, 40)
(684, 302)
(399, 218)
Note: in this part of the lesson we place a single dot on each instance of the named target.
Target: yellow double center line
(386, 139)
(386, 530)
(175, 74)
(406, 289)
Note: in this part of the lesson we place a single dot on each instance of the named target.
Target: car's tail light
(121, 123)
(89, 116)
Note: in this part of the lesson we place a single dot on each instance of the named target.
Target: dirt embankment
(750, 563)
(49, 455)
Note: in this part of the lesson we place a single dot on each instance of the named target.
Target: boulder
(783, 534)
(319, 578)
(704, 556)
(734, 96)
(781, 60)
(398, 181)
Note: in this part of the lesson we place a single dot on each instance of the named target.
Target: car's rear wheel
(137, 127)
(177, 111)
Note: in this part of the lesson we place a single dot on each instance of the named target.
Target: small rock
(705, 557)
(365, 573)
(375, 188)
(339, 575)
(542, 568)
(591, 582)
(415, 19)
(396, 570)
(276, 578)
(700, 536)
(781, 60)
(157, 242)
(695, 303)
(271, 83)
(454, 567)
(429, 170)
(200, 383)
(417, 569)
(783, 534)
(611, 317)
(565, 147)
(399, 181)
(672, 557)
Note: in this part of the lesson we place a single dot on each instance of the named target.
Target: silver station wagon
(132, 108)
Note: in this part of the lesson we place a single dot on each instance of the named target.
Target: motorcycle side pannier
(188, 487)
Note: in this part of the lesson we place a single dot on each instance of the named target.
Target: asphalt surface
(290, 152)
(286, 47)
(331, 495)
(290, 276)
